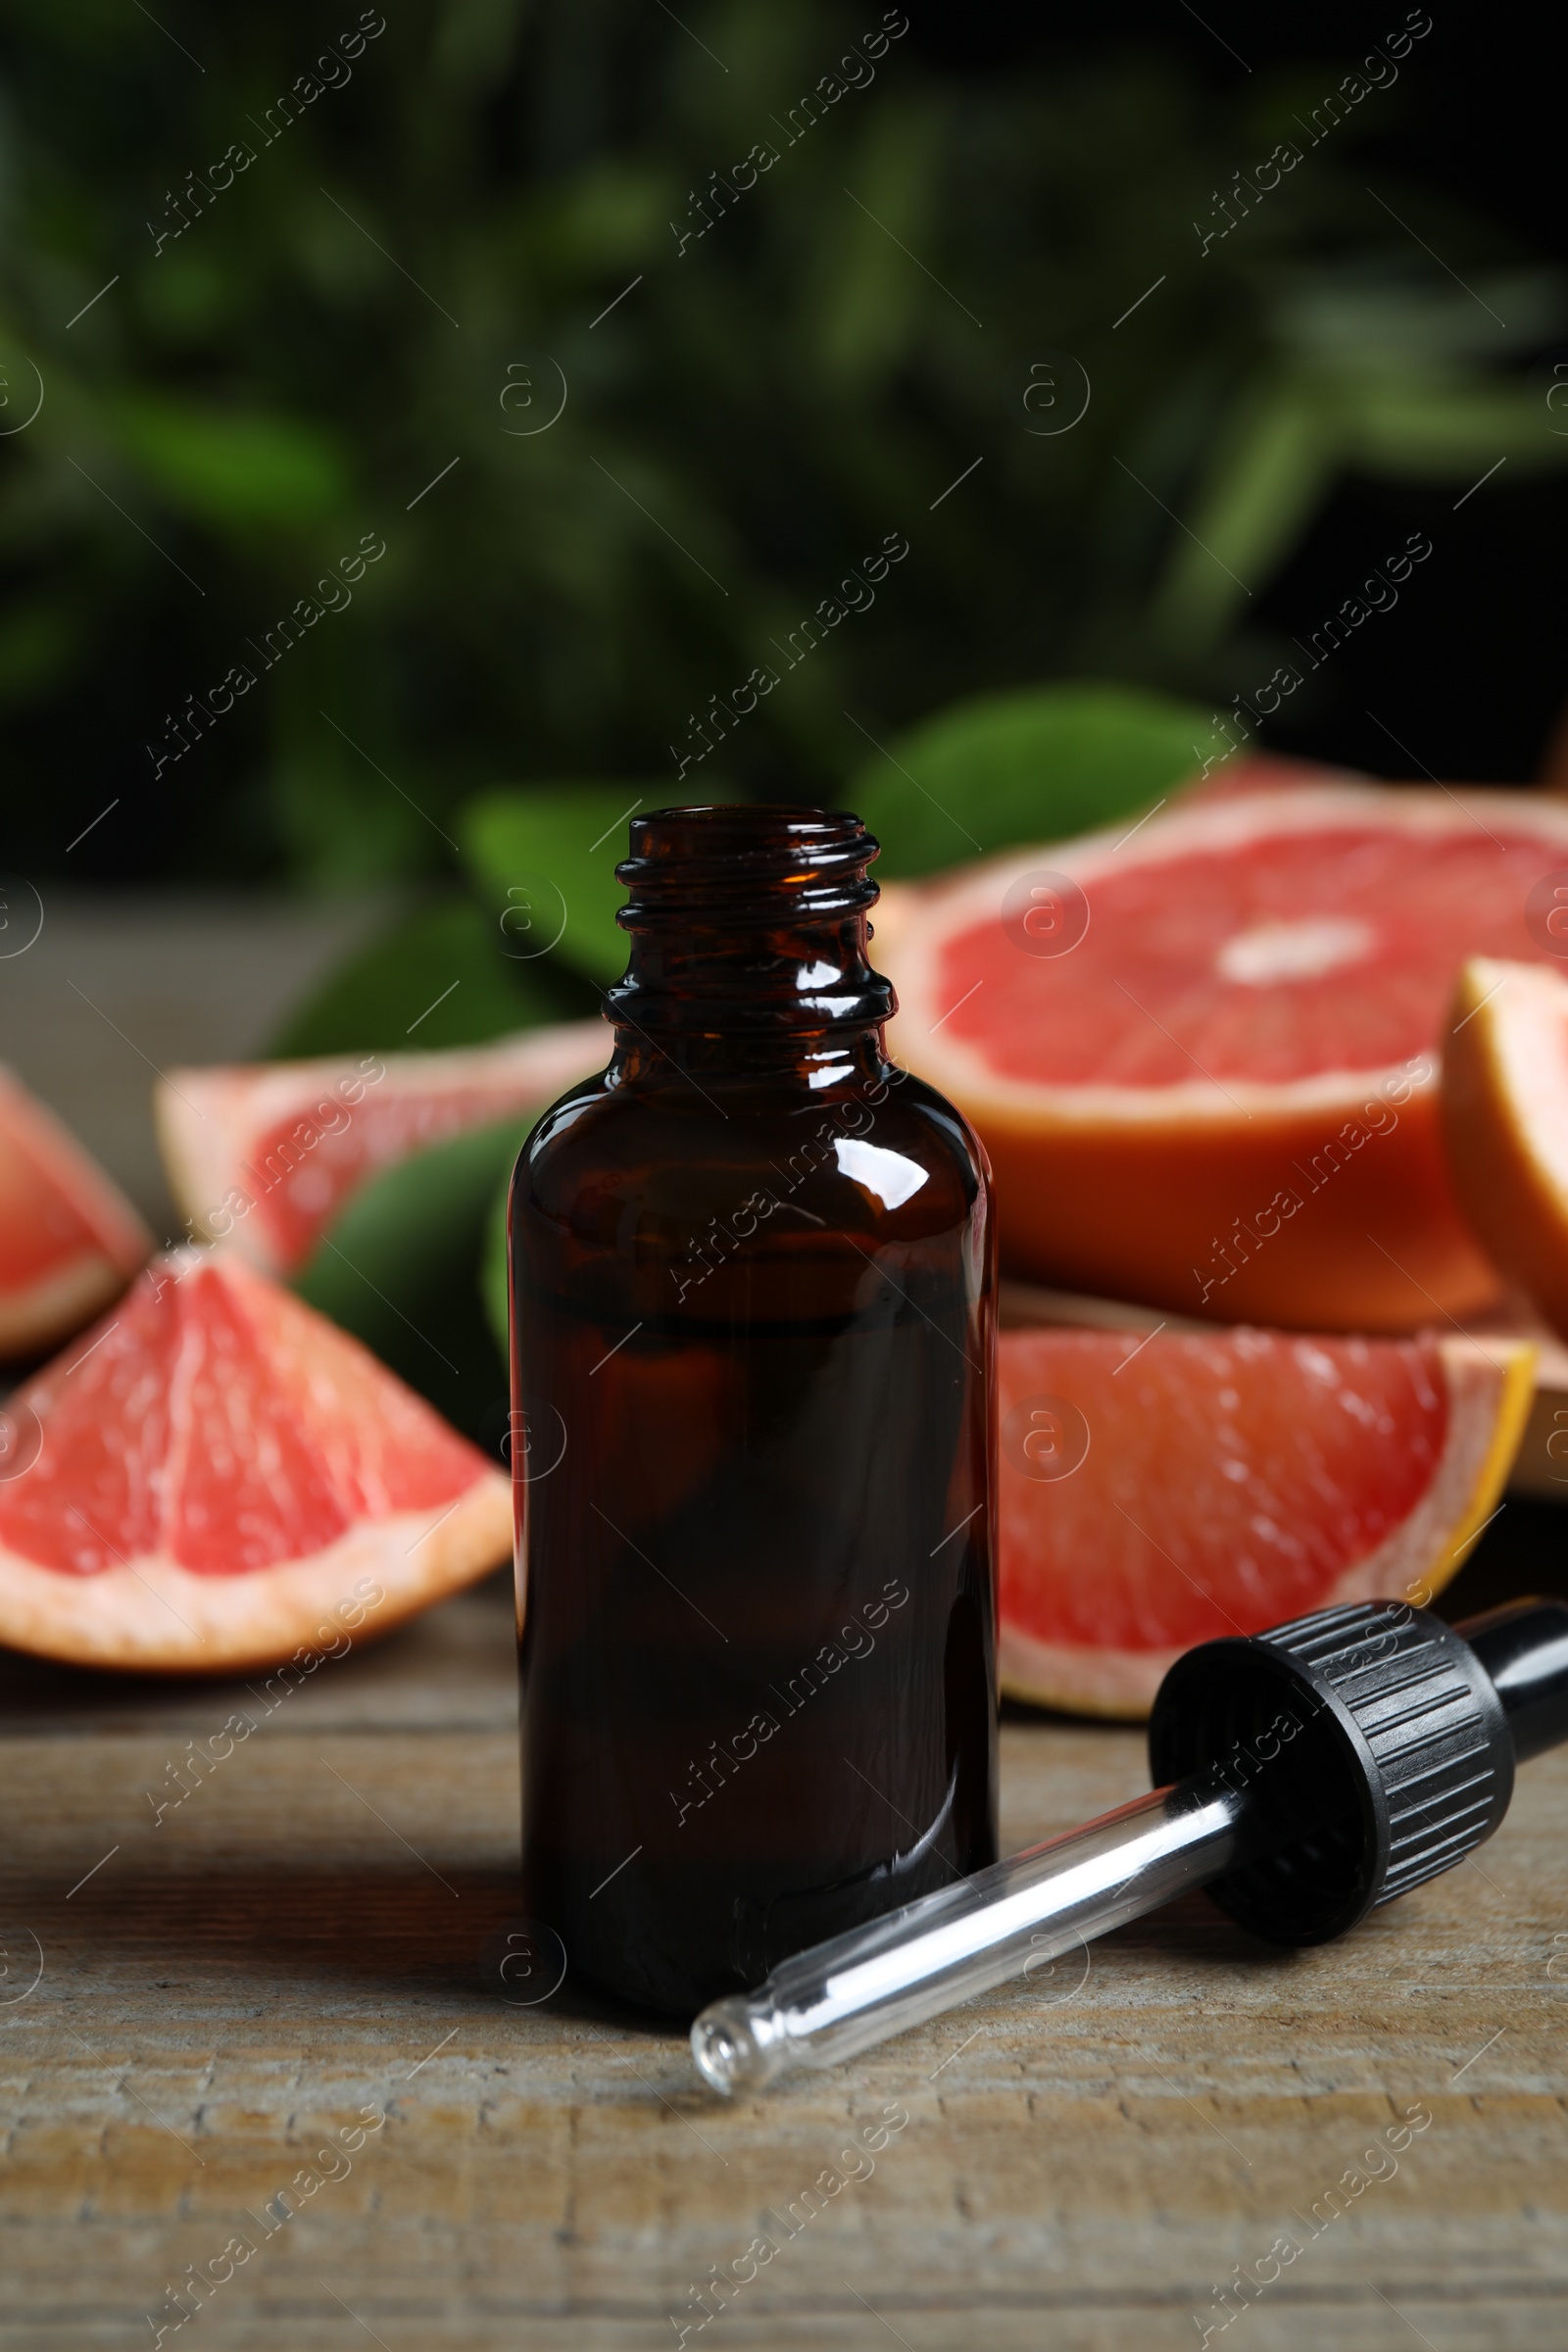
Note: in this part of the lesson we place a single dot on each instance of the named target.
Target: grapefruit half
(1161, 1491)
(217, 1478)
(69, 1241)
(1204, 1052)
(264, 1155)
(1505, 1117)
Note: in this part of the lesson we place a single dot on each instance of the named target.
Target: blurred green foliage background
(363, 333)
(453, 378)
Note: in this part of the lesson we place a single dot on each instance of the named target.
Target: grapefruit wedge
(264, 1155)
(69, 1241)
(1505, 1118)
(1161, 1491)
(217, 1478)
(1204, 1054)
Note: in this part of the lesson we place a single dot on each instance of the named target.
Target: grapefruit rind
(46, 1175)
(262, 1155)
(927, 915)
(153, 1616)
(53, 1305)
(218, 1477)
(1516, 1362)
(1505, 1120)
(1491, 1388)
(1186, 1194)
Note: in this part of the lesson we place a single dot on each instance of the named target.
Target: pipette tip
(737, 2047)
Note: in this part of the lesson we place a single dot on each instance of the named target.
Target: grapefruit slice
(1162, 1491)
(264, 1155)
(217, 1478)
(1204, 1054)
(70, 1240)
(1505, 1119)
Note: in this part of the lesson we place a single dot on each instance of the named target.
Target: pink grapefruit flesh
(1168, 1488)
(69, 1239)
(263, 1155)
(1205, 1061)
(213, 1476)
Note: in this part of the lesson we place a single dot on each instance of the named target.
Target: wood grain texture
(1082, 2161)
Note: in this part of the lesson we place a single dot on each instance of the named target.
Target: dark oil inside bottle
(752, 1335)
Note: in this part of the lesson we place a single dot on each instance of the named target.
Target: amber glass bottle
(752, 1334)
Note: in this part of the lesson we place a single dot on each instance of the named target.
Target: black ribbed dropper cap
(1375, 1745)
(1303, 1775)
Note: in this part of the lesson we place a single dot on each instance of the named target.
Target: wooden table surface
(190, 2007)
(300, 1942)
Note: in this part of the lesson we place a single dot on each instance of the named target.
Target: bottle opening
(748, 861)
(748, 918)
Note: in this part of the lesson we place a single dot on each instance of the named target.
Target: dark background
(1478, 678)
(271, 385)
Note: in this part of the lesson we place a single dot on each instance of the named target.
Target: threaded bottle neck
(748, 921)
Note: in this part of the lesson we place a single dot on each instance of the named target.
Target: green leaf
(232, 471)
(1449, 431)
(399, 1268)
(546, 855)
(1009, 768)
(438, 977)
(1362, 312)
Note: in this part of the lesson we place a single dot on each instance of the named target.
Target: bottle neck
(682, 1059)
(747, 949)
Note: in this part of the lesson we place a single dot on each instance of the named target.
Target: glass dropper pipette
(1307, 1774)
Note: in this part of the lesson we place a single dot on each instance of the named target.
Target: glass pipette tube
(1403, 1734)
(843, 1997)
